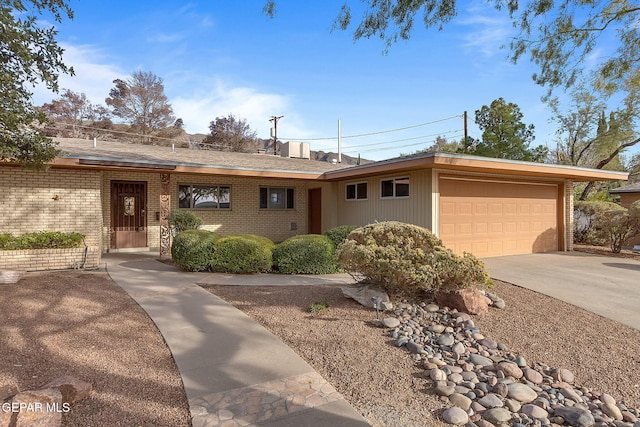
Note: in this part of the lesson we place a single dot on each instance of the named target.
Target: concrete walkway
(235, 372)
(604, 285)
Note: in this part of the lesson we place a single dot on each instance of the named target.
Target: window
(276, 198)
(204, 196)
(356, 191)
(398, 187)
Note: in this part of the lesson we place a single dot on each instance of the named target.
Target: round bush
(305, 254)
(339, 234)
(244, 254)
(182, 220)
(407, 259)
(191, 250)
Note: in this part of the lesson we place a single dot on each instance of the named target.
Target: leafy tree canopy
(556, 35)
(141, 102)
(504, 135)
(231, 134)
(29, 54)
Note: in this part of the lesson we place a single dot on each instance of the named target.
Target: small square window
(356, 191)
(387, 188)
(276, 198)
(398, 187)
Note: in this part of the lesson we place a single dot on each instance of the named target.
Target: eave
(465, 163)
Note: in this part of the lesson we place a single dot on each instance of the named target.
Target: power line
(404, 139)
(376, 133)
(397, 146)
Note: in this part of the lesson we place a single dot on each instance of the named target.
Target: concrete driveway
(604, 285)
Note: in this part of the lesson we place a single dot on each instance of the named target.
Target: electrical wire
(376, 133)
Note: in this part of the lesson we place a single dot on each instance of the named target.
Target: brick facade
(244, 216)
(56, 200)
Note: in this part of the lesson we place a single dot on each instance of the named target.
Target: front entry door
(128, 214)
(314, 214)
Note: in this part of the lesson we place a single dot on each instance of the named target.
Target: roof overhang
(106, 163)
(466, 163)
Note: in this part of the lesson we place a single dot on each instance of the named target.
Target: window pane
(224, 197)
(351, 191)
(204, 197)
(276, 198)
(402, 187)
(184, 196)
(362, 191)
(264, 197)
(387, 188)
(290, 198)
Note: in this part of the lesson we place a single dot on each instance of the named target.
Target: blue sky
(219, 57)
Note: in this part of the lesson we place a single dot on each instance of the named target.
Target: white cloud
(92, 77)
(219, 99)
(486, 31)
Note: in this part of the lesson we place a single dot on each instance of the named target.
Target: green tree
(30, 55)
(558, 36)
(231, 134)
(141, 102)
(504, 135)
(586, 138)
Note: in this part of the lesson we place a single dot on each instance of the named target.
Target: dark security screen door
(128, 214)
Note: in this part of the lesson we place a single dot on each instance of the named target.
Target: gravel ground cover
(84, 325)
(343, 344)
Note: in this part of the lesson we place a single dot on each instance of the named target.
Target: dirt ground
(82, 324)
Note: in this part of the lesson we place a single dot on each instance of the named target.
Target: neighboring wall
(55, 200)
(415, 209)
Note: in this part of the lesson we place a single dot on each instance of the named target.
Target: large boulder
(38, 408)
(367, 294)
(72, 389)
(468, 300)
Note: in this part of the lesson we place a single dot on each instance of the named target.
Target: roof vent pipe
(95, 142)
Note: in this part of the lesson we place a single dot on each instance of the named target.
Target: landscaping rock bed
(390, 389)
(488, 385)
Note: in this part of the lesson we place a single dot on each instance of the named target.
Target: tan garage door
(492, 218)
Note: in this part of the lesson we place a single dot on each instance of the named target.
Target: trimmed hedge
(305, 254)
(339, 234)
(409, 260)
(244, 254)
(181, 220)
(191, 250)
(41, 240)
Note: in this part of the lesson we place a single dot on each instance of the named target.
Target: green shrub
(243, 254)
(407, 259)
(585, 226)
(305, 254)
(318, 306)
(339, 234)
(181, 220)
(41, 240)
(191, 250)
(617, 225)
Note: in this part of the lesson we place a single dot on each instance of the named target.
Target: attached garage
(485, 206)
(492, 217)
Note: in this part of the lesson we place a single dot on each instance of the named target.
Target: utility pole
(275, 119)
(466, 132)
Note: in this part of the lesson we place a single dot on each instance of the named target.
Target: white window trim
(407, 177)
(356, 189)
